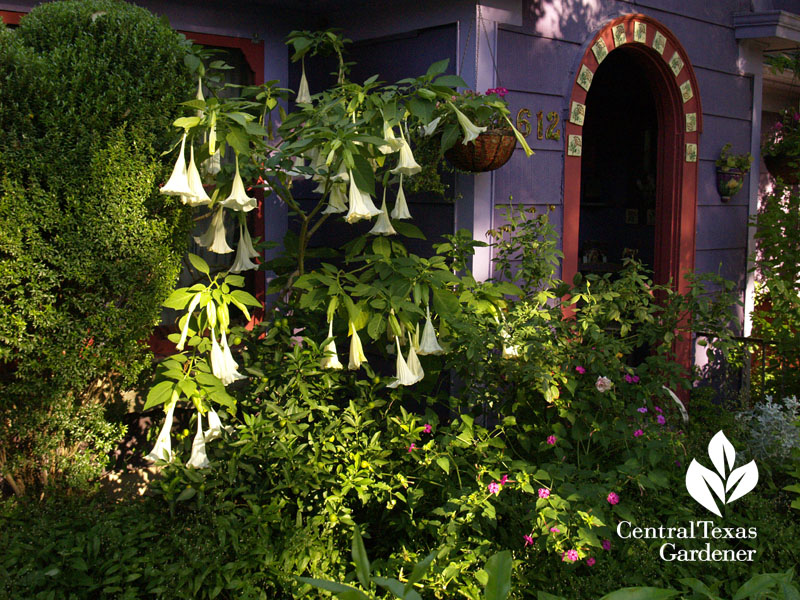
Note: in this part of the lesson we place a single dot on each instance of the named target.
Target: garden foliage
(88, 248)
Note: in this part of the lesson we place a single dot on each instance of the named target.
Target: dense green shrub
(88, 248)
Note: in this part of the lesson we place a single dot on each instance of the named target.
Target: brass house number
(524, 124)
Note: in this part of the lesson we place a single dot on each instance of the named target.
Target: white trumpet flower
(342, 175)
(383, 226)
(303, 93)
(163, 447)
(330, 358)
(400, 210)
(429, 129)
(357, 357)
(178, 182)
(471, 131)
(199, 197)
(361, 206)
(238, 198)
(185, 331)
(244, 237)
(213, 164)
(337, 200)
(242, 261)
(406, 163)
(231, 373)
(214, 237)
(199, 458)
(392, 143)
(404, 375)
(214, 430)
(429, 343)
(413, 362)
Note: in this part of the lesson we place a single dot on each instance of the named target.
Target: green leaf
(363, 174)
(444, 463)
(245, 298)
(360, 558)
(641, 593)
(451, 134)
(452, 81)
(419, 570)
(186, 494)
(198, 263)
(499, 569)
(408, 230)
(186, 122)
(342, 591)
(238, 140)
(445, 302)
(158, 394)
(546, 596)
(179, 299)
(755, 586)
(438, 68)
(396, 588)
(422, 109)
(235, 280)
(382, 246)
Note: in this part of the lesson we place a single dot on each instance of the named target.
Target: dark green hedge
(88, 247)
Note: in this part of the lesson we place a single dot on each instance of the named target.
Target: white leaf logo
(701, 482)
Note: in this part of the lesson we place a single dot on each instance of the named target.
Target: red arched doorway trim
(673, 82)
(11, 17)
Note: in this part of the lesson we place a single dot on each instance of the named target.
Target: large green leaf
(360, 558)
(345, 592)
(419, 570)
(641, 593)
(499, 569)
(198, 263)
(159, 394)
(363, 174)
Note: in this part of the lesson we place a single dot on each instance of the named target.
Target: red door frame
(672, 79)
(11, 17)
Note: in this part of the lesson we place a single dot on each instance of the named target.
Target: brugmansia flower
(244, 238)
(430, 128)
(357, 356)
(213, 164)
(214, 237)
(406, 164)
(178, 182)
(238, 198)
(163, 447)
(242, 261)
(413, 362)
(392, 143)
(383, 226)
(199, 196)
(361, 206)
(199, 458)
(404, 375)
(471, 131)
(400, 210)
(330, 359)
(231, 366)
(214, 426)
(192, 305)
(337, 200)
(429, 344)
(303, 93)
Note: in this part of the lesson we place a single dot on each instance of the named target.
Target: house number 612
(524, 124)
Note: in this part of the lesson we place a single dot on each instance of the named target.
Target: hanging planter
(489, 151)
(784, 167)
(731, 169)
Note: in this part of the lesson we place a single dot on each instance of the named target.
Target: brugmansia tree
(88, 247)
(354, 140)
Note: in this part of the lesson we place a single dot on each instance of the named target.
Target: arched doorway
(646, 106)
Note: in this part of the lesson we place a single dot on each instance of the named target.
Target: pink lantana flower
(606, 545)
(428, 428)
(657, 409)
(613, 498)
(412, 447)
(528, 540)
(571, 555)
(544, 493)
(580, 369)
(555, 530)
(494, 488)
(638, 433)
(552, 440)
(590, 561)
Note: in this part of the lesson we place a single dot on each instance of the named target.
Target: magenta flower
(642, 409)
(412, 447)
(503, 479)
(494, 488)
(580, 369)
(661, 420)
(657, 409)
(571, 555)
(528, 540)
(638, 432)
(606, 545)
(427, 428)
(555, 530)
(544, 493)
(613, 498)
(590, 561)
(629, 379)
(552, 440)
(677, 462)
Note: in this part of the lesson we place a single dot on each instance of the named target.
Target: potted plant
(781, 148)
(731, 169)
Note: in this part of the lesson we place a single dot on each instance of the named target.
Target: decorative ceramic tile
(577, 114)
(686, 91)
(691, 152)
(575, 146)
(676, 64)
(600, 50)
(640, 32)
(619, 35)
(691, 122)
(585, 77)
(659, 42)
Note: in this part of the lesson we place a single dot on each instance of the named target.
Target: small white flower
(413, 362)
(429, 343)
(400, 210)
(247, 240)
(471, 131)
(214, 237)
(303, 93)
(361, 206)
(383, 226)
(238, 198)
(163, 447)
(199, 197)
(242, 261)
(178, 183)
(357, 357)
(603, 384)
(214, 430)
(185, 331)
(406, 163)
(404, 375)
(430, 128)
(231, 366)
(330, 359)
(199, 458)
(337, 200)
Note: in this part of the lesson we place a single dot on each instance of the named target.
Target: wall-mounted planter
(785, 167)
(729, 182)
(489, 151)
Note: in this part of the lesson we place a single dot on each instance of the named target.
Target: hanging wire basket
(489, 151)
